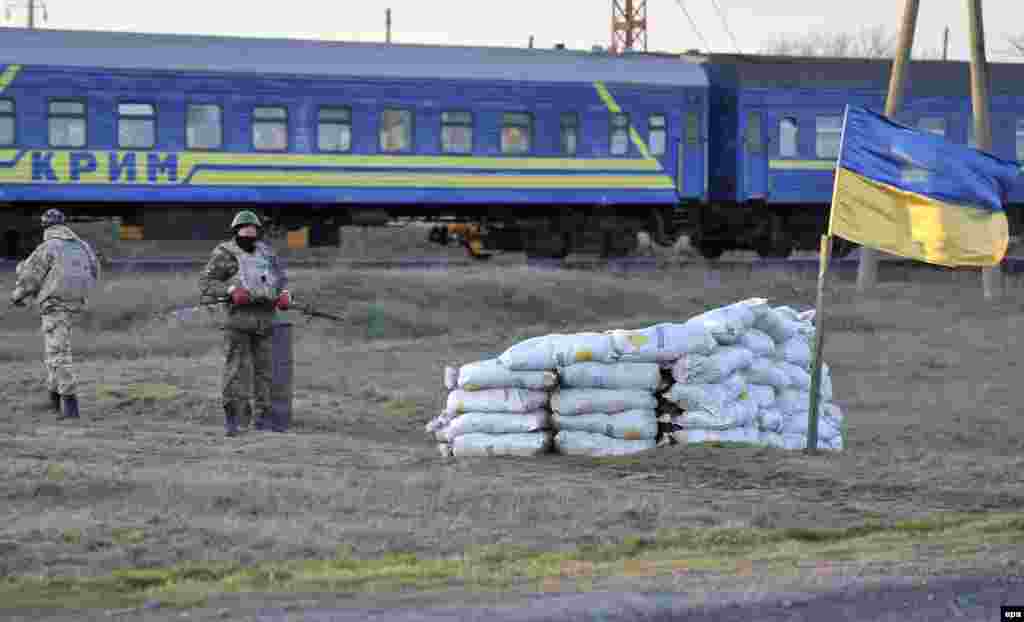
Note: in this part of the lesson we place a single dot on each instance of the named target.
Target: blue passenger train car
(542, 150)
(775, 130)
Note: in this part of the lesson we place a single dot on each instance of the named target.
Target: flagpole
(825, 258)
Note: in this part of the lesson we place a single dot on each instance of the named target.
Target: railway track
(794, 265)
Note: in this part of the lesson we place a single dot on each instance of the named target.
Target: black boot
(231, 418)
(244, 416)
(68, 407)
(55, 401)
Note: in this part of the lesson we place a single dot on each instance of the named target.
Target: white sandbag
(799, 378)
(792, 401)
(735, 414)
(795, 350)
(576, 443)
(828, 427)
(783, 441)
(758, 342)
(491, 374)
(709, 397)
(662, 342)
(569, 401)
(496, 401)
(766, 371)
(632, 425)
(778, 325)
(728, 323)
(807, 316)
(493, 423)
(762, 395)
(637, 376)
(552, 351)
(734, 435)
(530, 444)
(700, 369)
(795, 442)
(439, 422)
(788, 312)
(770, 420)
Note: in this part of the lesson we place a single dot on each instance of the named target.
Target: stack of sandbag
(602, 405)
(494, 411)
(786, 369)
(710, 392)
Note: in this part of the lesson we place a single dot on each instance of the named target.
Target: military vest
(72, 272)
(256, 273)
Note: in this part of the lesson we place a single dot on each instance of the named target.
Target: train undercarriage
(545, 232)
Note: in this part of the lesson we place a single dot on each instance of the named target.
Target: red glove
(284, 300)
(239, 295)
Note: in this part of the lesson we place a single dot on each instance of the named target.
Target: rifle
(306, 309)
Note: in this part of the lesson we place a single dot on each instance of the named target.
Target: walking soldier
(247, 275)
(60, 273)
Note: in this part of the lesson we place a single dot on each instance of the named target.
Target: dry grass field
(145, 500)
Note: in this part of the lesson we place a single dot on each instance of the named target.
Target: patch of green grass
(139, 391)
(71, 536)
(401, 408)
(128, 535)
(720, 550)
(55, 472)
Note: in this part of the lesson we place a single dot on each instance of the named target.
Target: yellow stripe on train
(151, 167)
(8, 76)
(802, 165)
(155, 168)
(429, 180)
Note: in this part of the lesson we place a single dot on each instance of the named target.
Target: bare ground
(925, 373)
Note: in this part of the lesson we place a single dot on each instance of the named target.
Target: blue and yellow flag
(914, 194)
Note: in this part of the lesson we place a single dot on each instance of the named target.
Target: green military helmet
(244, 218)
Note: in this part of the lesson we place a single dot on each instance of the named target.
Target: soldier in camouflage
(247, 275)
(59, 273)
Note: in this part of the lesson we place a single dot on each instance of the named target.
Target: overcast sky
(578, 23)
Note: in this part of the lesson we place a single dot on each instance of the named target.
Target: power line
(693, 25)
(725, 22)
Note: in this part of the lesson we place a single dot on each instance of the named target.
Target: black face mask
(246, 244)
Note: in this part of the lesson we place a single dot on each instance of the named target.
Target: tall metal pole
(945, 43)
(990, 277)
(387, 22)
(31, 14)
(867, 270)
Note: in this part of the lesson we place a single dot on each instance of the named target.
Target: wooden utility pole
(990, 277)
(867, 270)
(387, 24)
(945, 43)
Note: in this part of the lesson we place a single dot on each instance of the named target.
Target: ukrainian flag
(914, 194)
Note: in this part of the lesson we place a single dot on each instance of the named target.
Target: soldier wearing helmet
(59, 273)
(246, 274)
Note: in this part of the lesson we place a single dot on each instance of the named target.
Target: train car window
(935, 125)
(136, 126)
(6, 122)
(1020, 139)
(334, 129)
(753, 135)
(67, 124)
(569, 124)
(620, 134)
(829, 131)
(788, 138)
(270, 128)
(457, 132)
(395, 130)
(693, 128)
(656, 134)
(516, 132)
(203, 127)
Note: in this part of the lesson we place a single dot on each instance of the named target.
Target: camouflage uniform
(248, 328)
(59, 274)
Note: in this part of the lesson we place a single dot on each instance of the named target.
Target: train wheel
(545, 244)
(709, 249)
(778, 243)
(841, 248)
